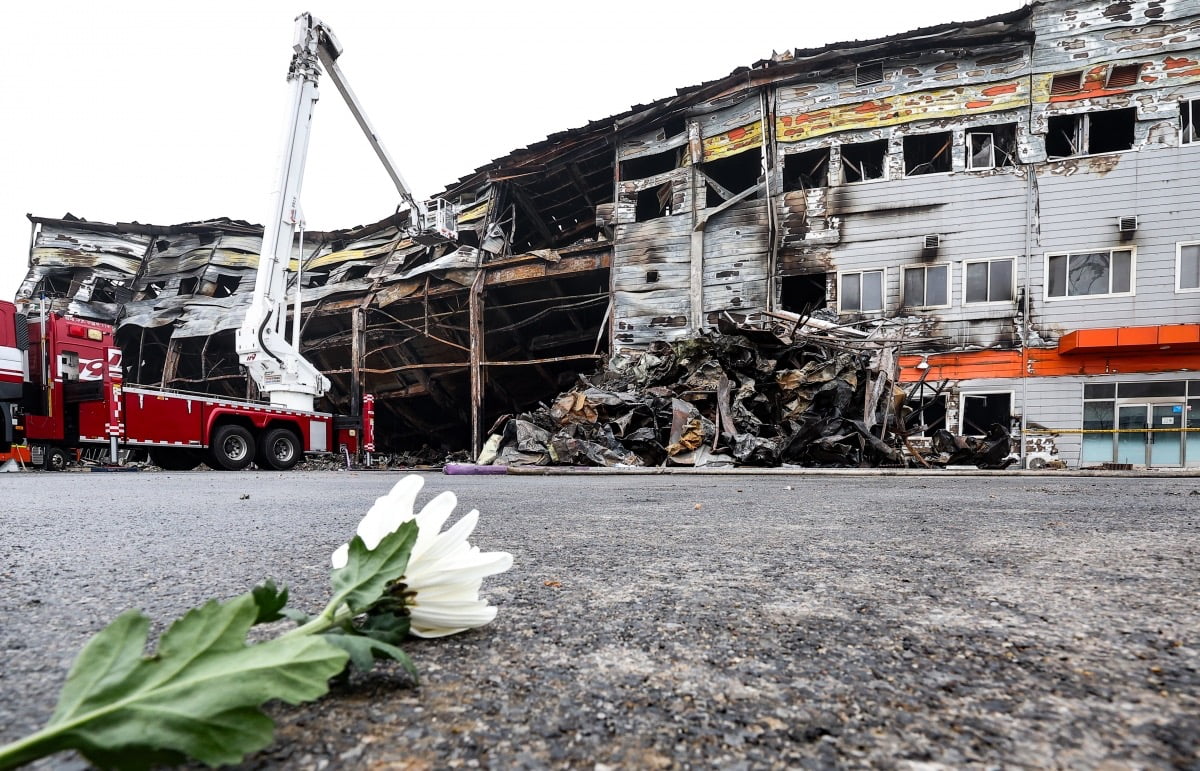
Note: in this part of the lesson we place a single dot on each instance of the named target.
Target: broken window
(151, 290)
(980, 411)
(1123, 75)
(1108, 272)
(1090, 133)
(927, 286)
(226, 285)
(927, 153)
(988, 281)
(864, 160)
(866, 74)
(653, 202)
(728, 176)
(992, 147)
(1066, 83)
(802, 294)
(925, 414)
(860, 291)
(187, 286)
(650, 165)
(1187, 267)
(1189, 112)
(806, 170)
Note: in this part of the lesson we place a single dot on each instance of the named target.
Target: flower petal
(390, 511)
(341, 555)
(431, 518)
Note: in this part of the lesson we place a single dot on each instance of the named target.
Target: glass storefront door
(1150, 434)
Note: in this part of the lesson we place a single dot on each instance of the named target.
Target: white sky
(165, 112)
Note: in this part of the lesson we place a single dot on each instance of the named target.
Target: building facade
(1013, 201)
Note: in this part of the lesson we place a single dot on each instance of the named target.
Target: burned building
(1011, 196)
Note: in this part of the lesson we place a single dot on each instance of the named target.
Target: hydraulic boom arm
(276, 364)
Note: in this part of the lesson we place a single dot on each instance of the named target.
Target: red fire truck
(61, 390)
(60, 378)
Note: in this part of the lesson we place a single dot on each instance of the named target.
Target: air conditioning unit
(932, 241)
(1127, 224)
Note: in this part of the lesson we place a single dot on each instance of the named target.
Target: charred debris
(806, 393)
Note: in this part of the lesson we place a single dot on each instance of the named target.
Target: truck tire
(174, 458)
(232, 448)
(279, 450)
(55, 459)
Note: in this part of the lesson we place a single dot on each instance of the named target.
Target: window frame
(882, 293)
(1012, 275)
(1083, 134)
(1068, 297)
(1190, 106)
(925, 267)
(962, 407)
(1179, 264)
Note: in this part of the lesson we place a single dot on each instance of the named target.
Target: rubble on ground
(736, 397)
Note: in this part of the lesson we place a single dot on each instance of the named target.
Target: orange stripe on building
(1164, 348)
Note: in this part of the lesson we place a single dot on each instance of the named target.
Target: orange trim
(1177, 338)
(1043, 362)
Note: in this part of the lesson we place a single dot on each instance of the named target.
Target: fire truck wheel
(55, 459)
(174, 459)
(232, 448)
(279, 450)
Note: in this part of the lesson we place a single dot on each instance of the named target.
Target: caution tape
(1054, 431)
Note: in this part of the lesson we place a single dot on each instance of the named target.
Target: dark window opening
(226, 285)
(650, 165)
(804, 171)
(152, 290)
(980, 411)
(162, 245)
(1091, 133)
(652, 277)
(1123, 75)
(188, 286)
(320, 279)
(866, 74)
(864, 161)
(207, 238)
(1066, 83)
(356, 272)
(927, 153)
(802, 294)
(925, 414)
(992, 147)
(103, 291)
(53, 286)
(653, 202)
(734, 173)
(675, 126)
(1188, 112)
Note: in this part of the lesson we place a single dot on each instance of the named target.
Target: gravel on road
(673, 621)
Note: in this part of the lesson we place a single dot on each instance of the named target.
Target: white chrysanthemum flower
(445, 572)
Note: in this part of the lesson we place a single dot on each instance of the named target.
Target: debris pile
(739, 397)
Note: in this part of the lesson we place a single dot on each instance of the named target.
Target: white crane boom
(276, 365)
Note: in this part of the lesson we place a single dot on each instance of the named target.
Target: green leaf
(367, 572)
(270, 602)
(198, 695)
(385, 627)
(365, 650)
(299, 616)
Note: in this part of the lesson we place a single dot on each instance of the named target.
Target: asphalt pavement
(740, 621)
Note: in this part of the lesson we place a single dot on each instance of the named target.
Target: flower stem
(30, 748)
(326, 619)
